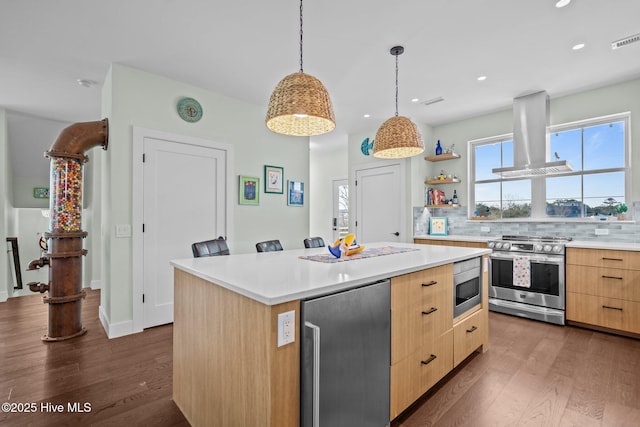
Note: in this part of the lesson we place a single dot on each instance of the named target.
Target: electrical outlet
(485, 229)
(602, 231)
(286, 327)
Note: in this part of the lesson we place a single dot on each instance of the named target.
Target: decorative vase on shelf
(438, 148)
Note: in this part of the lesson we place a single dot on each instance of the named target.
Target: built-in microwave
(467, 285)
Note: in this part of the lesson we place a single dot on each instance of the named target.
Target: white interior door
(340, 202)
(379, 209)
(184, 202)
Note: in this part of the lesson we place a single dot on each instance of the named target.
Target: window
(598, 151)
(496, 197)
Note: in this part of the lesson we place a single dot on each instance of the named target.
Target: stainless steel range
(527, 277)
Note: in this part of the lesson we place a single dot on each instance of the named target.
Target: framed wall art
(295, 196)
(438, 226)
(249, 190)
(41, 193)
(273, 176)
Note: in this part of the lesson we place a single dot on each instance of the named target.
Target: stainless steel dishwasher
(346, 358)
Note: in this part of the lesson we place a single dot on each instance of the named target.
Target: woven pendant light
(300, 104)
(398, 137)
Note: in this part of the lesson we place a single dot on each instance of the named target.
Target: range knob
(506, 246)
(557, 248)
(538, 248)
(547, 248)
(491, 244)
(498, 245)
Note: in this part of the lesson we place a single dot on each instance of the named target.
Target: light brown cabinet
(603, 289)
(426, 341)
(421, 333)
(468, 335)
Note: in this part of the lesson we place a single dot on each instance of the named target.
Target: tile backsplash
(459, 224)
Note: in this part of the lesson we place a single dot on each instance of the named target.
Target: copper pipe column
(65, 236)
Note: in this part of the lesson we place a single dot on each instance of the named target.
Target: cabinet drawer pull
(431, 310)
(473, 328)
(611, 259)
(611, 277)
(429, 360)
(611, 308)
(431, 283)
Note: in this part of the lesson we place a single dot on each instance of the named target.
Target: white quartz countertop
(459, 238)
(596, 244)
(587, 244)
(277, 277)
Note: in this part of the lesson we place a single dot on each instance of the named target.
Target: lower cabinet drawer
(437, 360)
(417, 373)
(606, 312)
(606, 282)
(405, 383)
(468, 335)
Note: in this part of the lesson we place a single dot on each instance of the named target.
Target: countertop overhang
(277, 277)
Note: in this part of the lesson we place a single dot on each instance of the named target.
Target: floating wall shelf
(441, 181)
(441, 157)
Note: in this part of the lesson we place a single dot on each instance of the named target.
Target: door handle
(473, 328)
(315, 411)
(396, 234)
(431, 310)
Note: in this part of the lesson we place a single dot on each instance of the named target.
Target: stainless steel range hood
(530, 123)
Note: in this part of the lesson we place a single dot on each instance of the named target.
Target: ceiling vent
(433, 101)
(625, 41)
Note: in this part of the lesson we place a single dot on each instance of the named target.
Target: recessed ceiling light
(366, 116)
(415, 100)
(578, 46)
(562, 3)
(482, 78)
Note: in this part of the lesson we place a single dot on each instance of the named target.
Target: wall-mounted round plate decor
(189, 110)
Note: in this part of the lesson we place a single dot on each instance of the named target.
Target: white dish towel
(522, 271)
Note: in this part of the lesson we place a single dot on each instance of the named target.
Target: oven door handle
(559, 260)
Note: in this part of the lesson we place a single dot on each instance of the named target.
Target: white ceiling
(242, 49)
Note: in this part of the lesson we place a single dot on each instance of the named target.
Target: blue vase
(438, 149)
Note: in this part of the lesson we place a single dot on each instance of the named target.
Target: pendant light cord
(396, 85)
(301, 36)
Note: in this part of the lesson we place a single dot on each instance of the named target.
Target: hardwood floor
(534, 374)
(127, 381)
(538, 374)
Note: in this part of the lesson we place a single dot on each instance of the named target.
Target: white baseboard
(95, 284)
(3, 296)
(114, 330)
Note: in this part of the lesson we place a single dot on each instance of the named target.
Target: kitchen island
(228, 368)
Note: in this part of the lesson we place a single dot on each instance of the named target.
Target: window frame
(538, 185)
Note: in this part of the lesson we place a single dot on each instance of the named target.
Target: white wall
(29, 138)
(135, 98)
(5, 182)
(30, 224)
(599, 102)
(325, 165)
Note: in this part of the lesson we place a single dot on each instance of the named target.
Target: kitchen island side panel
(228, 370)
